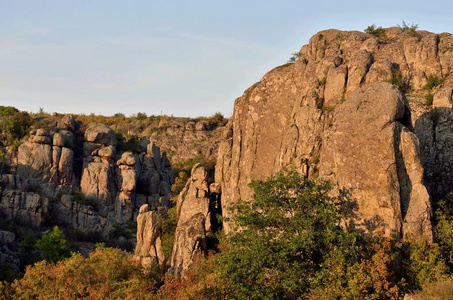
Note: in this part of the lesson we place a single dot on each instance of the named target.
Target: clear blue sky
(181, 58)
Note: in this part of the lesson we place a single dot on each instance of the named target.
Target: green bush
(107, 273)
(432, 82)
(7, 111)
(398, 80)
(291, 246)
(429, 98)
(128, 143)
(293, 58)
(407, 27)
(141, 116)
(180, 182)
(17, 125)
(53, 245)
(217, 119)
(411, 30)
(378, 32)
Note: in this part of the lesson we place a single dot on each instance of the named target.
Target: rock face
(149, 234)
(194, 221)
(46, 158)
(190, 244)
(373, 157)
(110, 189)
(327, 116)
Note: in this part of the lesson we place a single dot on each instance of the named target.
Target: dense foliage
(292, 241)
(53, 246)
(106, 274)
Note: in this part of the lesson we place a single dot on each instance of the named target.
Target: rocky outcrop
(298, 113)
(190, 244)
(149, 234)
(111, 187)
(46, 158)
(98, 177)
(194, 198)
(194, 221)
(373, 157)
(18, 204)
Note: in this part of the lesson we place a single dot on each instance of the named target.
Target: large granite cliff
(334, 114)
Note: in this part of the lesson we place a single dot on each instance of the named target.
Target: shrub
(217, 119)
(376, 31)
(141, 116)
(180, 182)
(17, 125)
(429, 98)
(290, 245)
(432, 82)
(407, 27)
(8, 111)
(106, 274)
(411, 30)
(53, 246)
(293, 58)
(119, 115)
(424, 264)
(200, 282)
(128, 143)
(398, 80)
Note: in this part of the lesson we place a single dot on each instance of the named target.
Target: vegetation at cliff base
(293, 241)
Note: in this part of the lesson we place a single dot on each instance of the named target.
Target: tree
(292, 241)
(53, 246)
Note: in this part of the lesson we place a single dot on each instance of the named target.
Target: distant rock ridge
(112, 187)
(333, 114)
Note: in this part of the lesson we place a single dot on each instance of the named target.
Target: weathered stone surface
(98, 183)
(81, 217)
(68, 123)
(373, 158)
(65, 166)
(34, 161)
(190, 244)
(127, 159)
(24, 208)
(358, 67)
(149, 234)
(100, 134)
(335, 85)
(194, 221)
(200, 125)
(107, 151)
(285, 119)
(194, 198)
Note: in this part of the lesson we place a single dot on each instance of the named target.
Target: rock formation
(327, 115)
(194, 221)
(149, 234)
(373, 157)
(110, 190)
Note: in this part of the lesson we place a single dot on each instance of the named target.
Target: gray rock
(100, 134)
(190, 244)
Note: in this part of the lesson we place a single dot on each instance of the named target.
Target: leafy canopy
(53, 245)
(290, 238)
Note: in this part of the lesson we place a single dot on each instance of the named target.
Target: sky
(181, 58)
